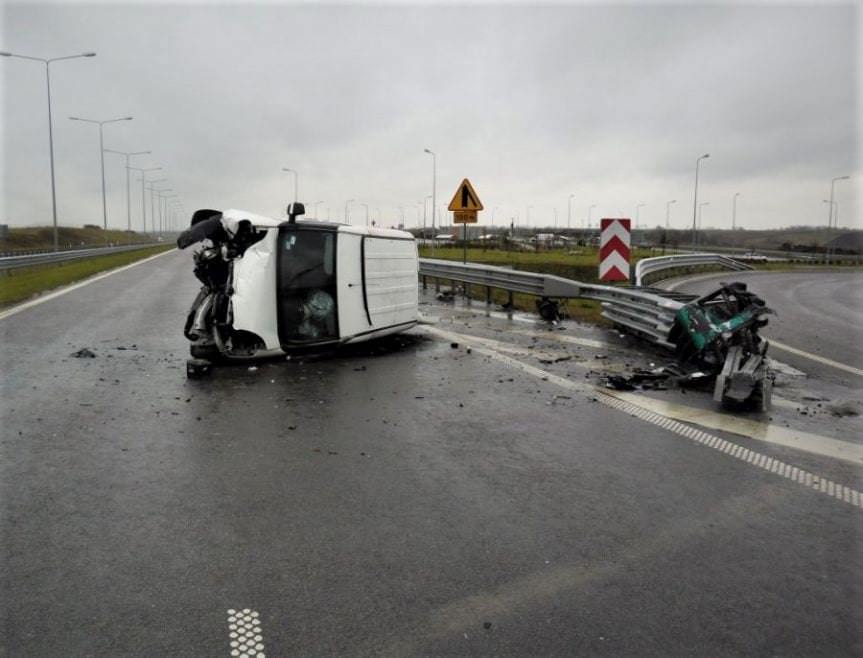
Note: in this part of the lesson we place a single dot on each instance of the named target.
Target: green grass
(21, 284)
(42, 237)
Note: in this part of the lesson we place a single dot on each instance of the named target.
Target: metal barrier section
(646, 312)
(14, 262)
(647, 266)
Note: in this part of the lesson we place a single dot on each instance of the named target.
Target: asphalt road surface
(818, 312)
(408, 498)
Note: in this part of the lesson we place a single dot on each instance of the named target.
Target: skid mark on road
(75, 286)
(244, 634)
(640, 407)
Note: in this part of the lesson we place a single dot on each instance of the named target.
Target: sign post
(464, 206)
(614, 245)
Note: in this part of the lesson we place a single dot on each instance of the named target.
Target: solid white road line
(815, 357)
(640, 407)
(75, 286)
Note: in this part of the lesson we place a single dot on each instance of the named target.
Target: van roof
(272, 222)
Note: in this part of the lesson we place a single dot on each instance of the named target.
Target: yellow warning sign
(465, 198)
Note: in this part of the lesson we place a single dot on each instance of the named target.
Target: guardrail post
(425, 284)
(487, 295)
(509, 300)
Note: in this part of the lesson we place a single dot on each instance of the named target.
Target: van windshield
(306, 286)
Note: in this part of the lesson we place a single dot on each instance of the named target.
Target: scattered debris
(360, 369)
(253, 368)
(84, 353)
(556, 360)
(844, 408)
(454, 345)
(131, 347)
(446, 296)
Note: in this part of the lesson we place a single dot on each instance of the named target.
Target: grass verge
(21, 284)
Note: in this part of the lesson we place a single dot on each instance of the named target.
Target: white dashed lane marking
(245, 637)
(632, 404)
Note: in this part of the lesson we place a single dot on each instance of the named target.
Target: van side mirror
(295, 210)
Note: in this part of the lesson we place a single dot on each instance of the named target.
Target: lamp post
(47, 63)
(161, 198)
(555, 218)
(668, 211)
(143, 193)
(128, 188)
(347, 210)
(152, 204)
(434, 187)
(734, 210)
(695, 197)
(830, 209)
(569, 211)
(296, 180)
(102, 159)
(316, 204)
(589, 211)
(700, 206)
(367, 212)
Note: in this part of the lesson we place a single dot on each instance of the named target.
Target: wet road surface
(406, 498)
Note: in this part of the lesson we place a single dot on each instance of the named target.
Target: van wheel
(204, 351)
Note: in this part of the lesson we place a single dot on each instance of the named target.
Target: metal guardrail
(46, 258)
(646, 312)
(647, 266)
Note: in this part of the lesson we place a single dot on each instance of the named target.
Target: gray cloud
(533, 104)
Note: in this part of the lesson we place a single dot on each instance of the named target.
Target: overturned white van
(273, 286)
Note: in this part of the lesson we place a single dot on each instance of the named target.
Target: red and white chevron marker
(614, 250)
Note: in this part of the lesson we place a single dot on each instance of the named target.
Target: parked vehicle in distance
(272, 286)
(752, 256)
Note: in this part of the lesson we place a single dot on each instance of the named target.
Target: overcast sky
(613, 104)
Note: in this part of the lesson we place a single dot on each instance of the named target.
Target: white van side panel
(349, 286)
(254, 298)
(391, 280)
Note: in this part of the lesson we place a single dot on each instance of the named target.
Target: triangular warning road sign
(465, 198)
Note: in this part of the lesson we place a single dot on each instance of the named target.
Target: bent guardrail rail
(647, 266)
(646, 312)
(14, 262)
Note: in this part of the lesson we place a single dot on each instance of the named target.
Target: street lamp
(152, 202)
(143, 193)
(700, 206)
(128, 190)
(161, 198)
(434, 186)
(569, 211)
(315, 205)
(102, 159)
(830, 214)
(668, 211)
(296, 180)
(734, 210)
(47, 63)
(367, 212)
(638, 212)
(589, 210)
(347, 209)
(695, 197)
(555, 218)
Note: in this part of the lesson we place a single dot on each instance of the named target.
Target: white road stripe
(245, 637)
(75, 286)
(814, 357)
(629, 403)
